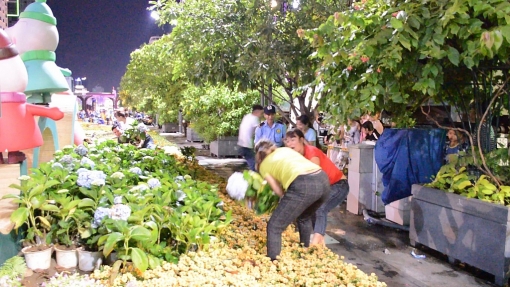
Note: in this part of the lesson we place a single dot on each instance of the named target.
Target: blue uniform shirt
(274, 134)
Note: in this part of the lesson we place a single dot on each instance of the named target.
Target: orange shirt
(334, 174)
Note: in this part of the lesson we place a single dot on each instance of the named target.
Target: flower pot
(87, 260)
(465, 229)
(66, 258)
(37, 259)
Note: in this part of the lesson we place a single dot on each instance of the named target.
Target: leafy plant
(259, 194)
(35, 207)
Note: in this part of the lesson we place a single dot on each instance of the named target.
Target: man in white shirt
(246, 131)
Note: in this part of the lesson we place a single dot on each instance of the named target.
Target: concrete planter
(224, 147)
(192, 136)
(465, 229)
(170, 128)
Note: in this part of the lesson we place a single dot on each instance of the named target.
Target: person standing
(337, 180)
(303, 124)
(301, 185)
(246, 132)
(269, 129)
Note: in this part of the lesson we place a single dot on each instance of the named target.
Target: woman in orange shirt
(339, 186)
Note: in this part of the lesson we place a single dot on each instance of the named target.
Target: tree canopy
(247, 44)
(380, 55)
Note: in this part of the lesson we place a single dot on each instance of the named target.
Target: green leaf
(111, 241)
(50, 207)
(404, 41)
(87, 202)
(19, 216)
(139, 233)
(464, 184)
(139, 259)
(498, 39)
(453, 55)
(505, 31)
(396, 24)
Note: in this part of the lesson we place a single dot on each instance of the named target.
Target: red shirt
(334, 174)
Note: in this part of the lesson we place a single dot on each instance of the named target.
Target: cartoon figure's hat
(39, 10)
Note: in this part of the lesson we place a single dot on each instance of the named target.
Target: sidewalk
(373, 248)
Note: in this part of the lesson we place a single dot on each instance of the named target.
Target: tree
(216, 111)
(247, 44)
(380, 55)
(149, 84)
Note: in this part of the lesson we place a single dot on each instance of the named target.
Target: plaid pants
(301, 200)
(339, 191)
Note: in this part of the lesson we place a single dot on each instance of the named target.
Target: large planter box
(192, 136)
(465, 229)
(224, 147)
(170, 128)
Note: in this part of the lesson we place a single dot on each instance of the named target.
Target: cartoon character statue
(18, 128)
(36, 36)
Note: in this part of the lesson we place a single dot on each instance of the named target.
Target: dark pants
(248, 155)
(301, 200)
(339, 191)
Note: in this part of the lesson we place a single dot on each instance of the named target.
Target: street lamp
(155, 15)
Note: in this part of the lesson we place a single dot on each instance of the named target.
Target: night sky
(97, 37)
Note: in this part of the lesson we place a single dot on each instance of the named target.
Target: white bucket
(66, 258)
(38, 259)
(87, 260)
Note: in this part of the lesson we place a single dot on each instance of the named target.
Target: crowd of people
(309, 182)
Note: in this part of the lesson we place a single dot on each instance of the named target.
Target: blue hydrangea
(135, 170)
(87, 161)
(154, 183)
(56, 165)
(86, 178)
(142, 128)
(120, 212)
(100, 214)
(66, 159)
(81, 150)
(81, 169)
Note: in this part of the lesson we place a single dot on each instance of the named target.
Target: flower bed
(162, 212)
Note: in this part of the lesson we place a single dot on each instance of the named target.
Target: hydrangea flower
(117, 199)
(66, 159)
(56, 165)
(142, 128)
(179, 178)
(85, 178)
(99, 215)
(24, 177)
(81, 150)
(148, 158)
(180, 195)
(237, 186)
(135, 170)
(154, 183)
(117, 175)
(81, 169)
(120, 212)
(87, 161)
(187, 176)
(139, 188)
(98, 182)
(75, 280)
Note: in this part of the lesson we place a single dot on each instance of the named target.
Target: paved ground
(373, 248)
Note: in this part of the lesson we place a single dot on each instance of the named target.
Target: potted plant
(67, 222)
(34, 212)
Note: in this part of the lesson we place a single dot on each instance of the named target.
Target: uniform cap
(269, 110)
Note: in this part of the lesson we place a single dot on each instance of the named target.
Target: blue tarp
(406, 157)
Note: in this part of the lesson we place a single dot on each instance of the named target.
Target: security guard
(269, 129)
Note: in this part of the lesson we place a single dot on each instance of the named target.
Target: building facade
(3, 14)
(14, 8)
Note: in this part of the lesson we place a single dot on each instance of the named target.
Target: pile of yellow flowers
(238, 258)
